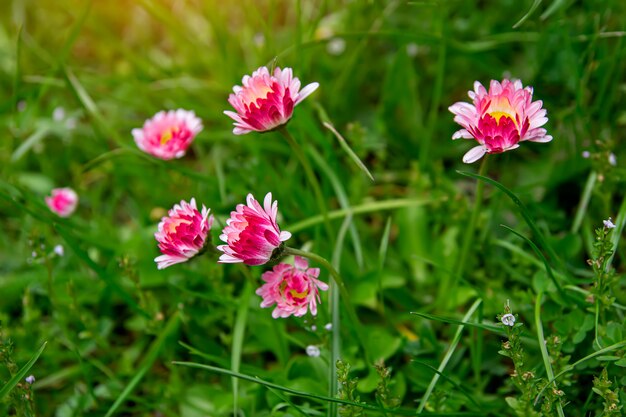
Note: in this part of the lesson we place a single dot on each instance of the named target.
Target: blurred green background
(77, 76)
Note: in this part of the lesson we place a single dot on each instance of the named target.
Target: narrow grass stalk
(544, 350)
(146, 363)
(297, 149)
(468, 239)
(336, 317)
(343, 292)
(446, 358)
(21, 373)
(584, 201)
(238, 338)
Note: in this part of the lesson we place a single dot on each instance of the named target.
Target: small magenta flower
(182, 234)
(293, 288)
(251, 233)
(499, 118)
(265, 101)
(168, 134)
(62, 201)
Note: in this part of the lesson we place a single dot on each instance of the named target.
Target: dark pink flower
(182, 234)
(499, 118)
(252, 234)
(168, 134)
(63, 201)
(293, 288)
(266, 101)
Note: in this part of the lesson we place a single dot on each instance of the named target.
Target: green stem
(468, 239)
(308, 171)
(343, 292)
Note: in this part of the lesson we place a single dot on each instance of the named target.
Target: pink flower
(168, 134)
(251, 234)
(63, 201)
(266, 101)
(499, 118)
(182, 234)
(293, 288)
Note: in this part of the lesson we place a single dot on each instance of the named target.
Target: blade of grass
(532, 9)
(238, 338)
(21, 374)
(348, 150)
(456, 385)
(360, 209)
(525, 214)
(396, 411)
(568, 368)
(540, 255)
(148, 360)
(584, 201)
(447, 356)
(382, 257)
(344, 202)
(335, 351)
(544, 349)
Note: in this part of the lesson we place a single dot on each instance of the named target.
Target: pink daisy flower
(266, 101)
(499, 118)
(182, 234)
(252, 234)
(62, 201)
(168, 134)
(293, 288)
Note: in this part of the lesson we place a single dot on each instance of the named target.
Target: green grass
(123, 338)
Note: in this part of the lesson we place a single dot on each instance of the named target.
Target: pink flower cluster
(293, 288)
(499, 118)
(182, 234)
(265, 102)
(62, 201)
(168, 134)
(252, 234)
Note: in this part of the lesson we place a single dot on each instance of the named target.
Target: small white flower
(34, 254)
(58, 114)
(30, 379)
(328, 326)
(609, 223)
(313, 351)
(612, 159)
(412, 49)
(586, 154)
(508, 320)
(336, 46)
(58, 249)
(313, 328)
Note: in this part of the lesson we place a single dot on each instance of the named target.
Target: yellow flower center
(168, 134)
(499, 114)
(296, 294)
(171, 227)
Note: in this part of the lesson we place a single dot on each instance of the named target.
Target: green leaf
(21, 374)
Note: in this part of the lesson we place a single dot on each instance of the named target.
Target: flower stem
(468, 239)
(308, 171)
(343, 292)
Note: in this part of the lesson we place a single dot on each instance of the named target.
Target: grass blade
(238, 338)
(348, 150)
(448, 355)
(532, 9)
(21, 373)
(544, 350)
(523, 211)
(146, 363)
(267, 384)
